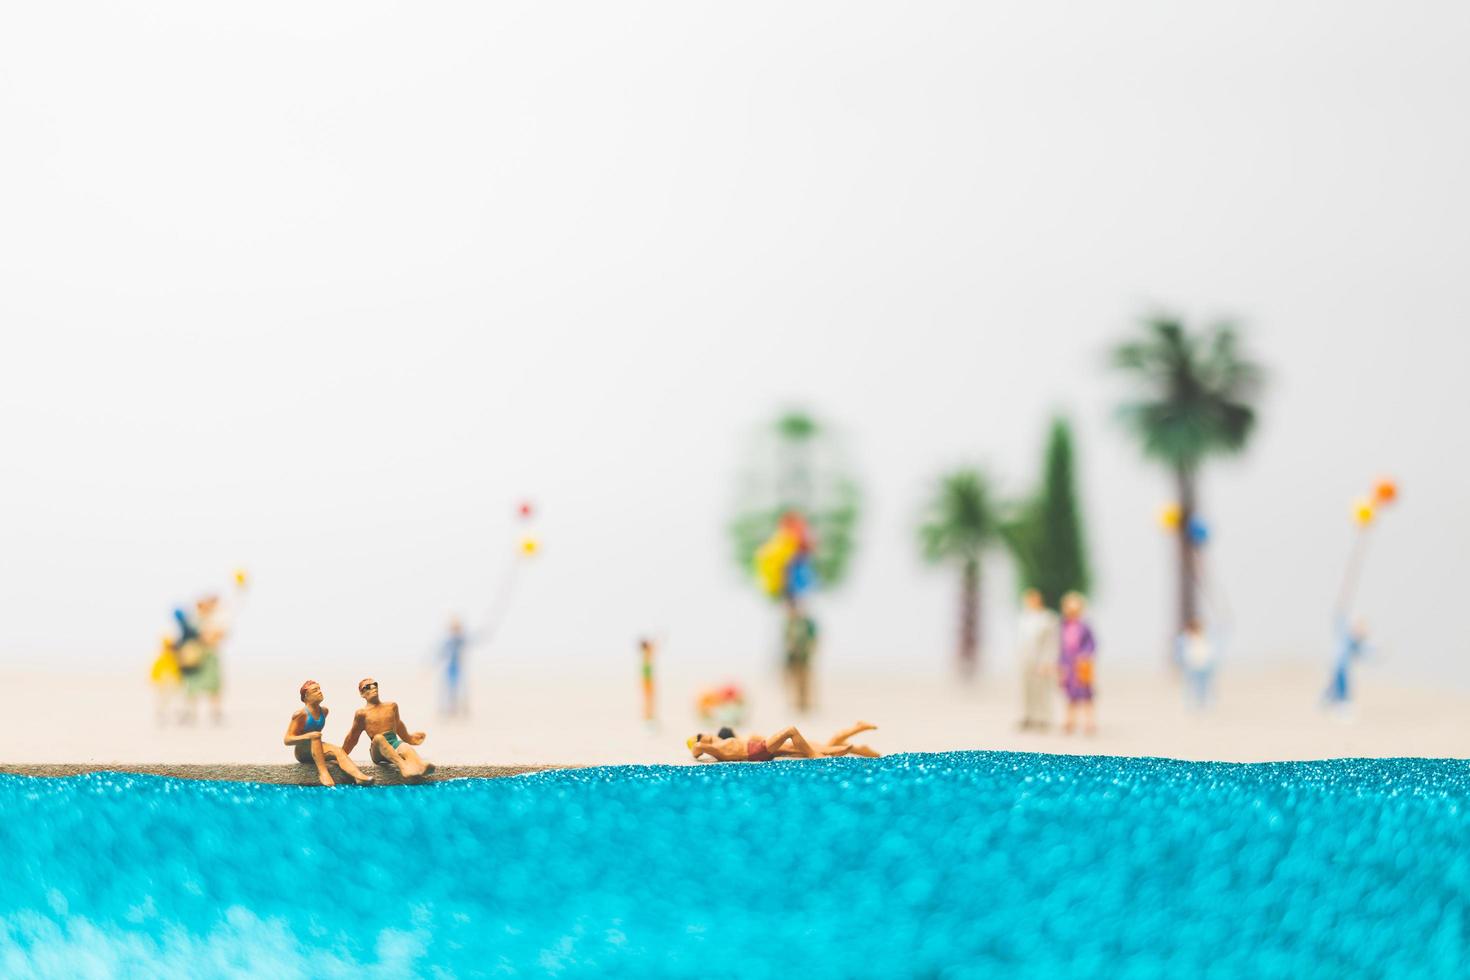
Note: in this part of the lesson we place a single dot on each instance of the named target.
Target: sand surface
(521, 720)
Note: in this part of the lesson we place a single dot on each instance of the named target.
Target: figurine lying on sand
(388, 737)
(788, 743)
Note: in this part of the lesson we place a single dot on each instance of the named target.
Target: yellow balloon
(1363, 512)
(240, 577)
(529, 545)
(1170, 517)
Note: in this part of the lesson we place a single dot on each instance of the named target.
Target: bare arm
(298, 720)
(355, 732)
(718, 752)
(412, 738)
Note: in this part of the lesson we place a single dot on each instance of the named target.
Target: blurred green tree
(797, 465)
(1045, 535)
(960, 523)
(1195, 401)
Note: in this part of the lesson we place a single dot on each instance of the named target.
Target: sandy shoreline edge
(285, 774)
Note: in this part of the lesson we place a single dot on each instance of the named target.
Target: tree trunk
(1188, 565)
(970, 618)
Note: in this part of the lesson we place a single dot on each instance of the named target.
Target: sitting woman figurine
(305, 732)
(788, 743)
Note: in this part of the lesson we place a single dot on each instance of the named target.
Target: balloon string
(1351, 575)
(500, 605)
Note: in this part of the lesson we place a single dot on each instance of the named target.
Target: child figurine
(388, 737)
(304, 732)
(165, 676)
(1038, 649)
(1196, 655)
(645, 650)
(1075, 664)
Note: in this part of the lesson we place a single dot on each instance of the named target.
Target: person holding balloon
(783, 565)
(1350, 635)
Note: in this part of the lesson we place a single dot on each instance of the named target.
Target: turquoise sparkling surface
(960, 864)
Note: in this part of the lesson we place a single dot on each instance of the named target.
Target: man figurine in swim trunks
(389, 739)
(788, 743)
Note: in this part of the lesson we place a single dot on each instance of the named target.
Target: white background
(325, 289)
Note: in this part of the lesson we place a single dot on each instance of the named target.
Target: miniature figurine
(165, 677)
(1196, 656)
(201, 635)
(388, 737)
(452, 652)
(645, 652)
(1075, 664)
(788, 743)
(1038, 644)
(801, 644)
(1352, 644)
(304, 731)
(724, 705)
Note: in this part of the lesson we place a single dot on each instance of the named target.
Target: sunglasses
(368, 687)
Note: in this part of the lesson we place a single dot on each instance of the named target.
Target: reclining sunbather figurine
(788, 743)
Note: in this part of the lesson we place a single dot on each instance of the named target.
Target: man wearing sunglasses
(389, 738)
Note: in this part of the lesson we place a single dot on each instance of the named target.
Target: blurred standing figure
(1352, 644)
(452, 652)
(166, 676)
(645, 652)
(1196, 655)
(201, 635)
(801, 644)
(1038, 645)
(1075, 664)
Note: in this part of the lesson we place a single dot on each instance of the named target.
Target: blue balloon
(800, 577)
(1199, 531)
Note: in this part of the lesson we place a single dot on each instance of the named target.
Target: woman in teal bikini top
(304, 735)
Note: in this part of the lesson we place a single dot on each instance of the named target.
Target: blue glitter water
(963, 864)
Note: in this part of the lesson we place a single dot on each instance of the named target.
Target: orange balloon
(1385, 492)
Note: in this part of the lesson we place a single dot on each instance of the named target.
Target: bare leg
(1071, 723)
(319, 757)
(345, 763)
(411, 755)
(847, 733)
(793, 736)
(407, 769)
(1089, 718)
(867, 752)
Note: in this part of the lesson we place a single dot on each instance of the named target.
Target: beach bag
(191, 655)
(1084, 672)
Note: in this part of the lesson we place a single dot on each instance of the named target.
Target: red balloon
(525, 508)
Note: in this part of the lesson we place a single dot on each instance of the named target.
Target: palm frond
(1197, 391)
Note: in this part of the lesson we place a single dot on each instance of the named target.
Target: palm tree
(1196, 390)
(1045, 531)
(960, 523)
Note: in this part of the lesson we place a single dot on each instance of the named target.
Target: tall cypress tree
(1046, 534)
